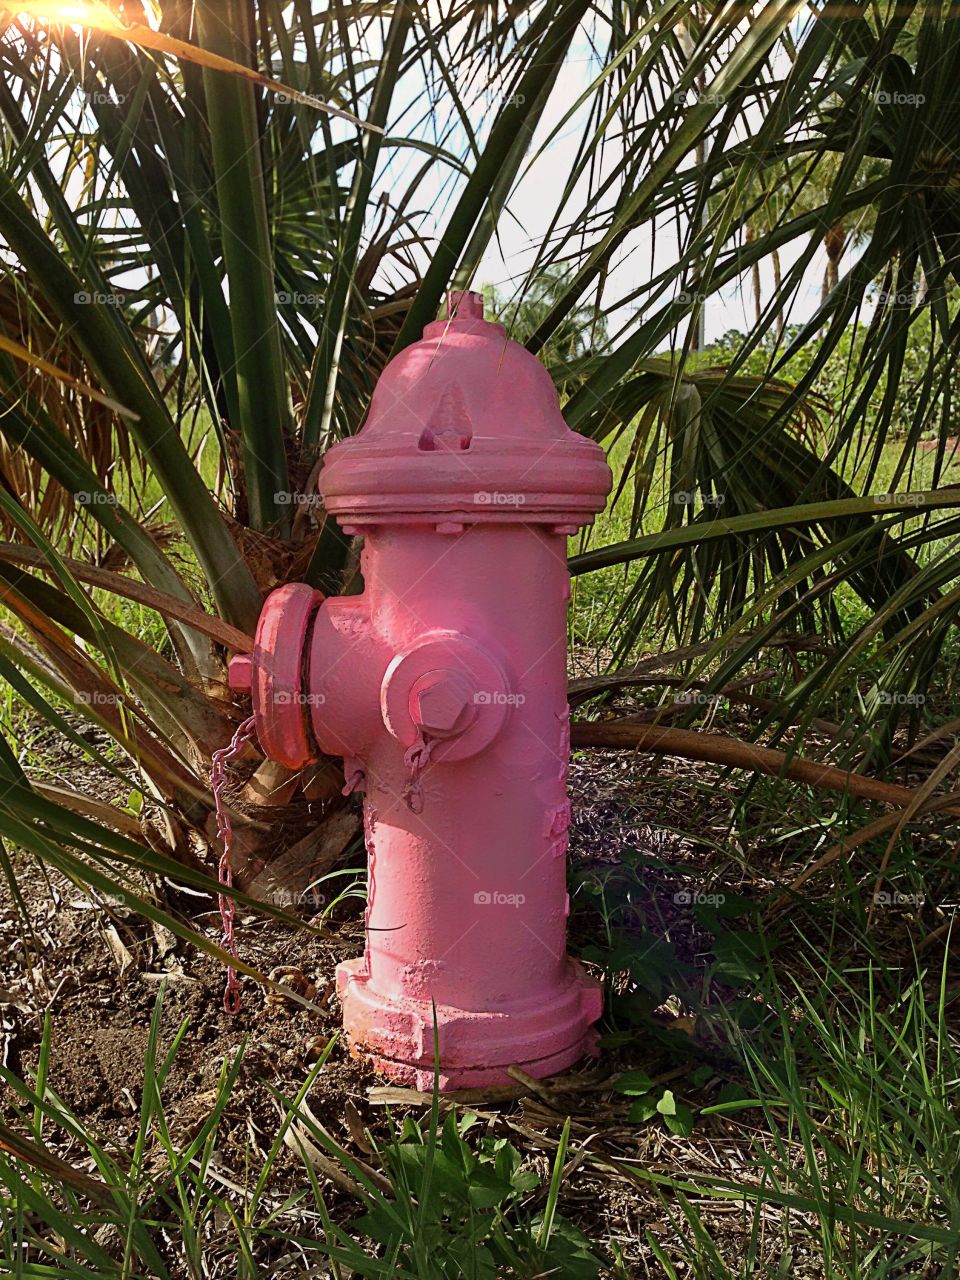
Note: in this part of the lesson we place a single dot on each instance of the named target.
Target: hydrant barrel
(443, 686)
(468, 901)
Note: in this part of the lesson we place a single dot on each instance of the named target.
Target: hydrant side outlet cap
(279, 698)
(466, 422)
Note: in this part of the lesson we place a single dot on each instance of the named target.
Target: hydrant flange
(274, 674)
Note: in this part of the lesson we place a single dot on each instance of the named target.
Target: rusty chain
(218, 780)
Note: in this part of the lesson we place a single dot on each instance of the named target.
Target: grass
(835, 1099)
(824, 1143)
(443, 1205)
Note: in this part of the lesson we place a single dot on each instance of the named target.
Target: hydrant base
(396, 1036)
(421, 1078)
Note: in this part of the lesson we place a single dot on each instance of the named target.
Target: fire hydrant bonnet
(465, 424)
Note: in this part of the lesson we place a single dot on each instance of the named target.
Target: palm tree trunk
(834, 242)
(777, 280)
(754, 279)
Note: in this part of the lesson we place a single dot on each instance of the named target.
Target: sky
(525, 222)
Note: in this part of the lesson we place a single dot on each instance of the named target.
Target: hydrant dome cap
(466, 422)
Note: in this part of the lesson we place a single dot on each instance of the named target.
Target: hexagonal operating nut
(441, 703)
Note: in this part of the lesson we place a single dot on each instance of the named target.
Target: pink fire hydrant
(443, 686)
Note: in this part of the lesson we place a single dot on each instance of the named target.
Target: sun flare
(68, 11)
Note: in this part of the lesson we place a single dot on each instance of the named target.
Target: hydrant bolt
(442, 703)
(240, 672)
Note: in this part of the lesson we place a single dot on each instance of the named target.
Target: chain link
(218, 780)
(416, 758)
